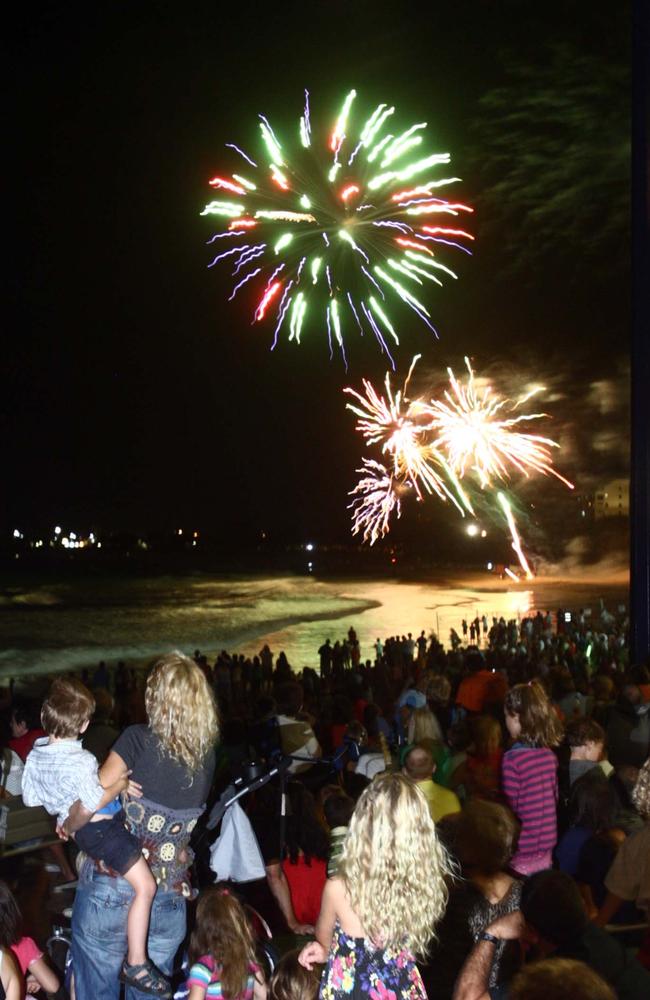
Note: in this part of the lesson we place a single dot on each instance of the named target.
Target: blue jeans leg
(99, 935)
(101, 908)
(166, 934)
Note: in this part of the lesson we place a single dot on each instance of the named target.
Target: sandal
(146, 978)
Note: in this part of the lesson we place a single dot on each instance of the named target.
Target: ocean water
(71, 625)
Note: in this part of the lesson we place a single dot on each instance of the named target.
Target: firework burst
(340, 230)
(474, 429)
(375, 500)
(391, 422)
(469, 438)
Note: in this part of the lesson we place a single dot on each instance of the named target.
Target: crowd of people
(456, 823)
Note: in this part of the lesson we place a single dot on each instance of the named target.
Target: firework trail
(514, 534)
(442, 445)
(343, 229)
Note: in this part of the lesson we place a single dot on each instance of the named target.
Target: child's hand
(134, 790)
(32, 984)
(312, 954)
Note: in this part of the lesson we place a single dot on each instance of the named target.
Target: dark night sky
(133, 395)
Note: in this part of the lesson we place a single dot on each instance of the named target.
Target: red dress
(306, 883)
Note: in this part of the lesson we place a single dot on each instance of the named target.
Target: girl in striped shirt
(222, 952)
(529, 774)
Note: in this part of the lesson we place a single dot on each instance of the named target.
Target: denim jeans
(99, 935)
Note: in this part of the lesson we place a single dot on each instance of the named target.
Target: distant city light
(17, 534)
(180, 531)
(73, 536)
(99, 545)
(57, 530)
(472, 530)
(490, 566)
(310, 566)
(484, 533)
(309, 546)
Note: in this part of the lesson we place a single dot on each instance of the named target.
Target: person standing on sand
(325, 654)
(266, 659)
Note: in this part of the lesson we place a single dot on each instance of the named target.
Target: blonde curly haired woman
(172, 759)
(383, 906)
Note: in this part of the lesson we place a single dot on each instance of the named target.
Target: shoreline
(142, 659)
(376, 606)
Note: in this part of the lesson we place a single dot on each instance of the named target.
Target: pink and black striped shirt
(529, 776)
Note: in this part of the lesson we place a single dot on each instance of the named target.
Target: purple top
(529, 776)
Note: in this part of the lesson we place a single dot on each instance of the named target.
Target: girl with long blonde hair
(390, 892)
(222, 952)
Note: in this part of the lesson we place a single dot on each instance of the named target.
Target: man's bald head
(418, 764)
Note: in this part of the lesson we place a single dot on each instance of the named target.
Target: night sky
(134, 396)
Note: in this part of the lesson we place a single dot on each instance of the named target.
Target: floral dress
(356, 969)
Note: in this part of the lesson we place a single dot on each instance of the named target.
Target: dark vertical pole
(640, 409)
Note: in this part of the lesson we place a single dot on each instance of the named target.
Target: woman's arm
(112, 769)
(113, 790)
(114, 778)
(9, 977)
(279, 887)
(196, 992)
(45, 977)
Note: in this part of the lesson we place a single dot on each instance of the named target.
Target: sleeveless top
(356, 969)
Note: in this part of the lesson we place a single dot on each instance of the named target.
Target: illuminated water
(72, 625)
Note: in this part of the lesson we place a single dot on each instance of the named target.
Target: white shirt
(370, 764)
(57, 774)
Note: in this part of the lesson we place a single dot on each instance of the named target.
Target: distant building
(612, 499)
